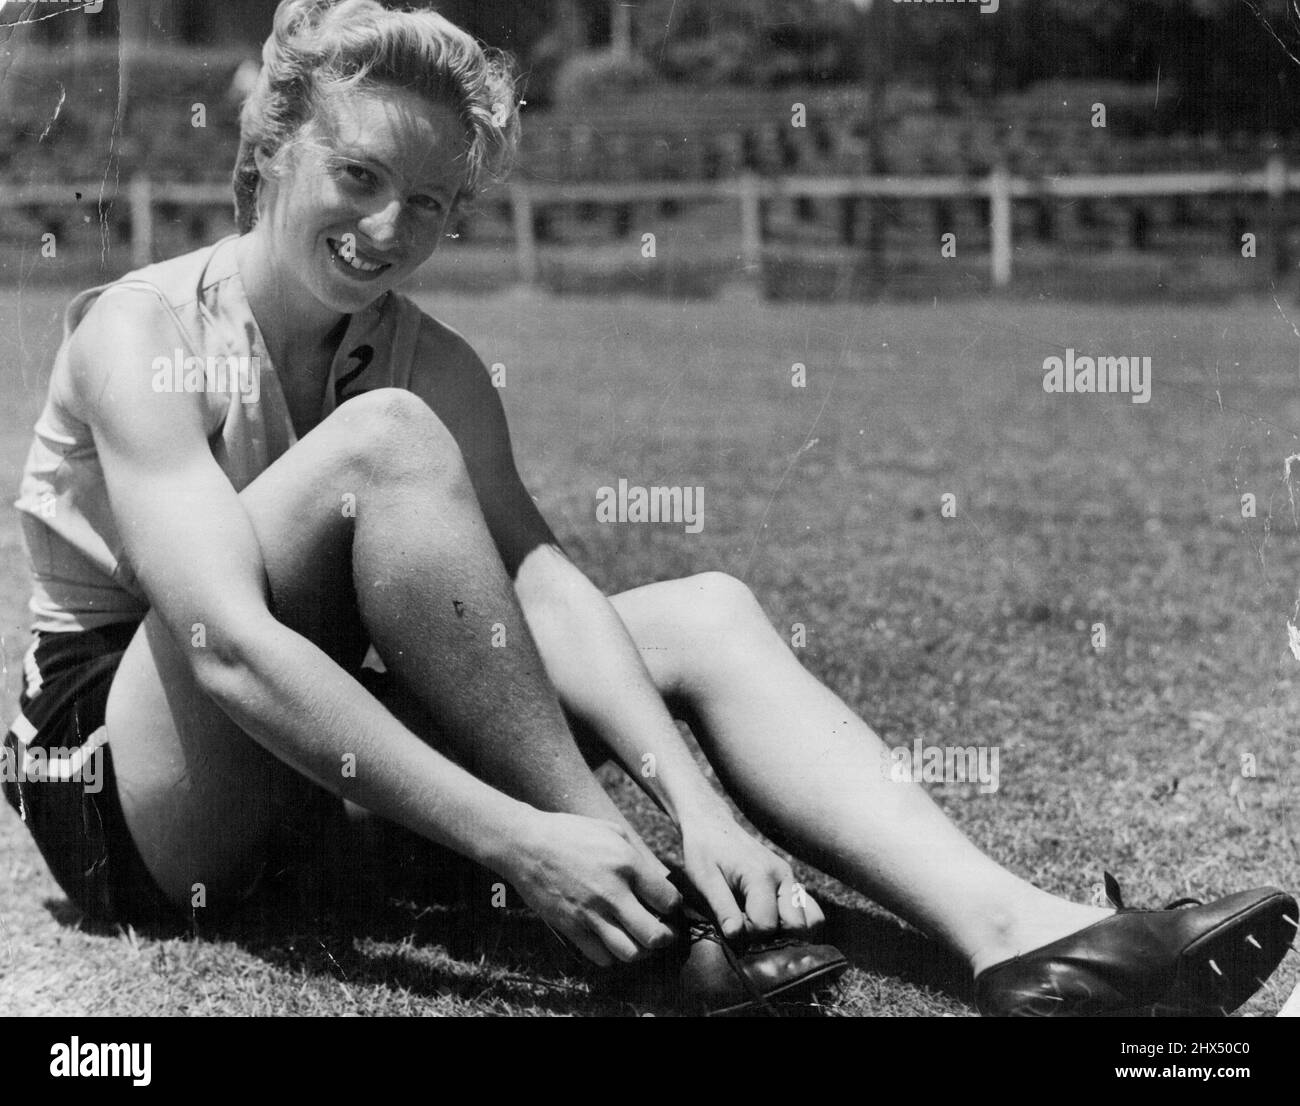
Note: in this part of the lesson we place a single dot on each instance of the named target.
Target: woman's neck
(291, 329)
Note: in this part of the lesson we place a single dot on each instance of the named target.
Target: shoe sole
(1222, 969)
(805, 986)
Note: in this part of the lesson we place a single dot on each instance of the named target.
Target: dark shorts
(58, 775)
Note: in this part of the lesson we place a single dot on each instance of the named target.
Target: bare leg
(807, 771)
(416, 572)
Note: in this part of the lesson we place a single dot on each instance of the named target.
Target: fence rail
(750, 192)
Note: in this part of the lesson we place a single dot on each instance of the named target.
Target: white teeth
(354, 261)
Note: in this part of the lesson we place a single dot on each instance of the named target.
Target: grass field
(1071, 510)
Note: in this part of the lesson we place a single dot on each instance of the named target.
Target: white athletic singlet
(81, 578)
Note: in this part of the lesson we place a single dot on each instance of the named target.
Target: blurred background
(820, 148)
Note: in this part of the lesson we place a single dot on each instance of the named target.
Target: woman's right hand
(595, 883)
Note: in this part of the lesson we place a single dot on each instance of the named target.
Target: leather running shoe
(1190, 959)
(720, 977)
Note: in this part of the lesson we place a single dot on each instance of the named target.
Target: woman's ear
(262, 160)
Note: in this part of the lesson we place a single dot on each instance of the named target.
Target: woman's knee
(713, 627)
(394, 432)
(706, 620)
(717, 605)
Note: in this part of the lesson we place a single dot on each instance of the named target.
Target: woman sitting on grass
(213, 560)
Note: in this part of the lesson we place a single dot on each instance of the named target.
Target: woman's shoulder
(176, 281)
(444, 370)
(437, 343)
(124, 324)
(153, 299)
(115, 334)
(127, 314)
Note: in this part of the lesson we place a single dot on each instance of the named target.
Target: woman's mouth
(353, 261)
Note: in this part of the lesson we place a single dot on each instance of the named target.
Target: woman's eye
(427, 203)
(360, 174)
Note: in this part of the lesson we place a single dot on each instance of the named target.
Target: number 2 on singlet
(363, 355)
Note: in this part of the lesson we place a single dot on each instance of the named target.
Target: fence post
(1275, 182)
(521, 210)
(141, 220)
(751, 222)
(999, 186)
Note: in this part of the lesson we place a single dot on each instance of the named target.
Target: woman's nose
(383, 227)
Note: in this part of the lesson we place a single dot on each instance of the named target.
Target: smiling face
(362, 199)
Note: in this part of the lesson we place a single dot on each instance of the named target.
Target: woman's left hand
(747, 886)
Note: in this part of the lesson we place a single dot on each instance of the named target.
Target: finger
(648, 859)
(652, 887)
(791, 900)
(760, 905)
(589, 945)
(619, 944)
(653, 861)
(726, 910)
(633, 919)
(813, 912)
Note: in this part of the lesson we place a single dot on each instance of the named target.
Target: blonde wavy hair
(320, 46)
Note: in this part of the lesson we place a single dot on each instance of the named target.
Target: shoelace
(1117, 899)
(701, 929)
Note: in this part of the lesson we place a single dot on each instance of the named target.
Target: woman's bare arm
(196, 555)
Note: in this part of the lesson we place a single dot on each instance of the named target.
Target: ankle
(1012, 932)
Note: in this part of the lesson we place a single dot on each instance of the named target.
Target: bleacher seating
(60, 124)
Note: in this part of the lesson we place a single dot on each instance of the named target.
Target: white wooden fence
(1274, 182)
